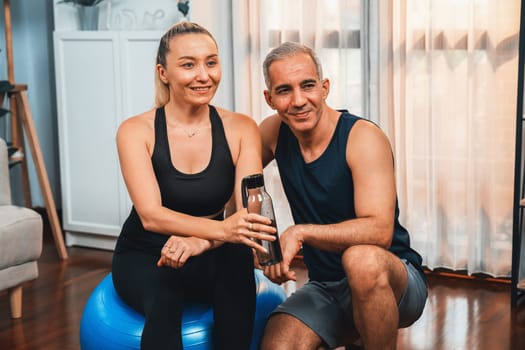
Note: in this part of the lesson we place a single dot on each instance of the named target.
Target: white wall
(32, 25)
(207, 13)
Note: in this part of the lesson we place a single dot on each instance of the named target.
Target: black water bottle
(257, 200)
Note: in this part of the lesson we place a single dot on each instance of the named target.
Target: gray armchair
(20, 240)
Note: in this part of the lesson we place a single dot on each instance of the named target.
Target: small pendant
(189, 134)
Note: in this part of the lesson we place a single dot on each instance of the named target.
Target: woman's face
(192, 71)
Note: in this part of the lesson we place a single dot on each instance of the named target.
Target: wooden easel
(22, 121)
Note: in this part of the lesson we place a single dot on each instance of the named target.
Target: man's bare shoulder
(364, 130)
(368, 141)
(270, 123)
(234, 118)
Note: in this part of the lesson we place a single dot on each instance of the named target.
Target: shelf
(122, 15)
(15, 156)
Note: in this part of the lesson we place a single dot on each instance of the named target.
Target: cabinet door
(89, 100)
(138, 52)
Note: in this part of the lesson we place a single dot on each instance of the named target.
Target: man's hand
(291, 242)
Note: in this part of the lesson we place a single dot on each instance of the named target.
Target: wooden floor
(460, 313)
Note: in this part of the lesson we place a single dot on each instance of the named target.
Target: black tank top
(201, 194)
(322, 192)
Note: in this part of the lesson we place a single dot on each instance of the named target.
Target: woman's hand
(245, 228)
(178, 250)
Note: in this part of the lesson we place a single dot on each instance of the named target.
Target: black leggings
(223, 277)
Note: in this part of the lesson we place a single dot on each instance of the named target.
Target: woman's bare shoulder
(138, 123)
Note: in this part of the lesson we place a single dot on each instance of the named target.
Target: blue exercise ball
(108, 323)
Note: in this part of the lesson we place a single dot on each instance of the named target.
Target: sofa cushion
(16, 275)
(20, 235)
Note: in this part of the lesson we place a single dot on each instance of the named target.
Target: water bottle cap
(254, 181)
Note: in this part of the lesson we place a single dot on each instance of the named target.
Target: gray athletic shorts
(326, 307)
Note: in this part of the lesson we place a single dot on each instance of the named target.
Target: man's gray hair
(285, 50)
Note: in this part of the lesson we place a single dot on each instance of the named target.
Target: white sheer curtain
(331, 27)
(451, 95)
(439, 76)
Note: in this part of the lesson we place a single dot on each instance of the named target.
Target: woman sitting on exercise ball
(182, 163)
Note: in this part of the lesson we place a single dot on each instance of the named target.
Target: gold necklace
(189, 134)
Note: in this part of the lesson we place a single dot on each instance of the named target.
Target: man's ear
(162, 73)
(268, 98)
(326, 87)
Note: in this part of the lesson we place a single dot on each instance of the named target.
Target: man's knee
(367, 268)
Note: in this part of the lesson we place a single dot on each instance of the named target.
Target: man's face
(296, 92)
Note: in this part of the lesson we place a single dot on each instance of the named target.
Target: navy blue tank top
(322, 192)
(201, 194)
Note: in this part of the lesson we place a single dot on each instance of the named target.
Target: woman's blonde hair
(162, 92)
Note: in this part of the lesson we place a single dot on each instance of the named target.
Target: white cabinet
(102, 77)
